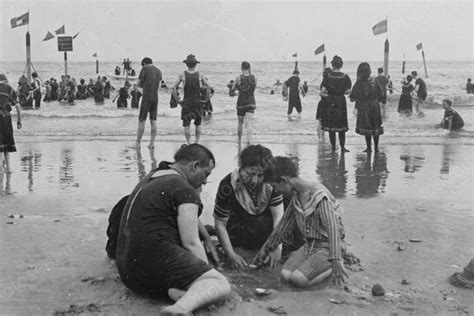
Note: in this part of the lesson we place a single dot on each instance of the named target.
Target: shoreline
(56, 260)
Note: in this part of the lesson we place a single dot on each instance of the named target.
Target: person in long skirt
(321, 110)
(336, 86)
(405, 104)
(365, 95)
(7, 142)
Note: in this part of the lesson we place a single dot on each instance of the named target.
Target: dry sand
(53, 259)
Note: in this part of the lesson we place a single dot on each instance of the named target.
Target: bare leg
(1, 172)
(207, 289)
(297, 278)
(7, 162)
(152, 133)
(198, 133)
(249, 126)
(240, 124)
(187, 134)
(368, 142)
(140, 131)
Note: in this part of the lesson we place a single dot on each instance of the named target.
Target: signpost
(65, 45)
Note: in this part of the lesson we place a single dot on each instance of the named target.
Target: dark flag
(94, 55)
(295, 55)
(419, 46)
(48, 36)
(76, 35)
(21, 20)
(319, 50)
(380, 27)
(61, 30)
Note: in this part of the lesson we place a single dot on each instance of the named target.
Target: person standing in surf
(421, 93)
(293, 84)
(191, 103)
(36, 84)
(149, 80)
(245, 83)
(335, 86)
(382, 82)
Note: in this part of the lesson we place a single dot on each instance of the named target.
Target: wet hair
(380, 70)
(280, 167)
(245, 65)
(255, 156)
(296, 72)
(448, 102)
(363, 71)
(409, 78)
(193, 152)
(337, 62)
(34, 75)
(326, 72)
(414, 73)
(146, 61)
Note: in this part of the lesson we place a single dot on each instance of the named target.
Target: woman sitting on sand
(369, 119)
(246, 209)
(317, 214)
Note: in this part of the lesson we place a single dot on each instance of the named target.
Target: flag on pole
(76, 35)
(48, 36)
(61, 30)
(94, 55)
(21, 20)
(295, 55)
(319, 50)
(419, 46)
(380, 27)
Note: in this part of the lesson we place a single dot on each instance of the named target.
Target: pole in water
(28, 56)
(324, 62)
(97, 66)
(385, 57)
(424, 63)
(65, 63)
(403, 64)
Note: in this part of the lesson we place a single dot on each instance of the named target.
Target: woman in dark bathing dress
(405, 104)
(335, 86)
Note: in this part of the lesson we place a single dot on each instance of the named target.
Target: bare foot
(176, 294)
(367, 150)
(151, 146)
(173, 311)
(135, 145)
(344, 150)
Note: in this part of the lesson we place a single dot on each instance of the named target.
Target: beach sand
(54, 261)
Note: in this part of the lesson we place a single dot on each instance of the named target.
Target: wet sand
(53, 259)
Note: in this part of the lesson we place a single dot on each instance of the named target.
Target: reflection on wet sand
(30, 163)
(66, 176)
(413, 161)
(332, 172)
(7, 177)
(141, 165)
(370, 177)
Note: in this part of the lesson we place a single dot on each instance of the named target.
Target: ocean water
(446, 80)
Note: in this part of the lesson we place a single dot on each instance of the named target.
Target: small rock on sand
(377, 290)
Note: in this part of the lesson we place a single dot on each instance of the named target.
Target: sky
(234, 30)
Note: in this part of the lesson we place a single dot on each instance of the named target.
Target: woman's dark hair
(190, 64)
(409, 78)
(255, 155)
(448, 102)
(280, 167)
(326, 72)
(146, 61)
(337, 62)
(188, 153)
(245, 65)
(363, 71)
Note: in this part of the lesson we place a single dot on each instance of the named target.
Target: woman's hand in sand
(18, 124)
(338, 271)
(259, 258)
(237, 261)
(211, 250)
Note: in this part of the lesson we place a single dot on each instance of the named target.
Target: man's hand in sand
(237, 261)
(338, 271)
(211, 250)
(259, 258)
(275, 257)
(18, 124)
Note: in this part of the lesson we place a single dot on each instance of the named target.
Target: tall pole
(65, 63)
(385, 57)
(97, 66)
(324, 62)
(424, 62)
(403, 64)
(28, 56)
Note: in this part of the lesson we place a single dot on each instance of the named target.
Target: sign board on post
(65, 43)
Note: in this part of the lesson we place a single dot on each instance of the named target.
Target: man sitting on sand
(149, 80)
(451, 121)
(159, 250)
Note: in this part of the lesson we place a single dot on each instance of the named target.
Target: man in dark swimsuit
(421, 92)
(191, 103)
(382, 82)
(294, 85)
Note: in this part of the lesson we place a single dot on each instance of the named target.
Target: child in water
(123, 95)
(136, 95)
(451, 121)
